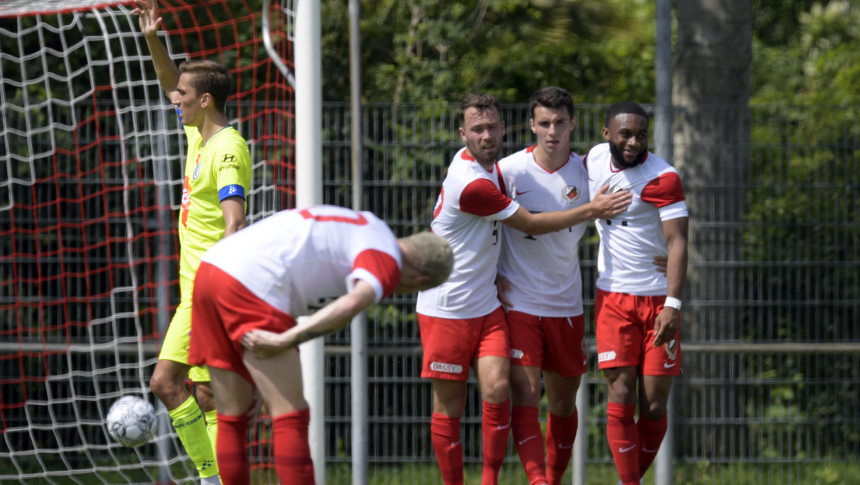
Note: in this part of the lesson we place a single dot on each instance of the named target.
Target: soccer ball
(131, 421)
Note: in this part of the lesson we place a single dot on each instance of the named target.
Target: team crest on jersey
(671, 349)
(196, 171)
(570, 193)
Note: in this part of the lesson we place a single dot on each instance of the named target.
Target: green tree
(423, 50)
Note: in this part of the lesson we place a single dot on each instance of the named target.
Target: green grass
(702, 473)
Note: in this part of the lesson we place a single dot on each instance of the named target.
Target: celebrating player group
(499, 282)
(531, 321)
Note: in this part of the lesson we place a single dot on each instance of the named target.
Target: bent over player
(637, 308)
(249, 289)
(461, 321)
(544, 289)
(217, 178)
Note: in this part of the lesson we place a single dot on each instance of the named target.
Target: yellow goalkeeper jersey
(213, 172)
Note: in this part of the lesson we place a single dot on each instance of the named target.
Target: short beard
(479, 156)
(618, 156)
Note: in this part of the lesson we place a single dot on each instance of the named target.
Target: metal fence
(771, 385)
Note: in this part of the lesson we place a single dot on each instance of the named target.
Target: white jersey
(630, 241)
(543, 270)
(467, 215)
(300, 260)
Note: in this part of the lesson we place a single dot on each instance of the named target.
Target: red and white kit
(464, 312)
(631, 291)
(287, 265)
(545, 323)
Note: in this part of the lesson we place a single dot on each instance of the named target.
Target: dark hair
(480, 101)
(209, 77)
(553, 98)
(621, 108)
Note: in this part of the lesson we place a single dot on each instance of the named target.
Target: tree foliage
(421, 50)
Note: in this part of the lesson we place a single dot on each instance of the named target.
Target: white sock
(213, 480)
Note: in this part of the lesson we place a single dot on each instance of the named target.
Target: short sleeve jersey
(467, 215)
(300, 260)
(630, 241)
(543, 270)
(213, 172)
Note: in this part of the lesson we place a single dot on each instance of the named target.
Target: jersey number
(358, 220)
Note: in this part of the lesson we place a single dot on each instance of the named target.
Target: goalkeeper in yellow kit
(217, 180)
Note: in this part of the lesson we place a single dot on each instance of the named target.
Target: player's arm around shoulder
(233, 176)
(603, 206)
(330, 318)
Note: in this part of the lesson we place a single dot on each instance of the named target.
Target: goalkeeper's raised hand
(149, 19)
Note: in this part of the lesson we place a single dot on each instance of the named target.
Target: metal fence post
(663, 469)
(580, 445)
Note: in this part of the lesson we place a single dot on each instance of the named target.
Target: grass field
(834, 473)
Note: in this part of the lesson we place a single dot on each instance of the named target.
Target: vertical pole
(308, 61)
(358, 329)
(663, 469)
(580, 445)
(663, 82)
(163, 249)
(663, 140)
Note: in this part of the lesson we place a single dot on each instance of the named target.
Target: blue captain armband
(231, 191)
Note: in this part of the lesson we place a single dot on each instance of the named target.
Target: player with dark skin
(627, 135)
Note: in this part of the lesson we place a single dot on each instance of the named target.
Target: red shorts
(555, 344)
(222, 312)
(450, 345)
(625, 334)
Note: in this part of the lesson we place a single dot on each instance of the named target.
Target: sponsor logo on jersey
(524, 192)
(516, 354)
(228, 167)
(604, 356)
(227, 158)
(671, 349)
(570, 193)
(448, 368)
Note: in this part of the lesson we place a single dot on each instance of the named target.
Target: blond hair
(430, 255)
(209, 77)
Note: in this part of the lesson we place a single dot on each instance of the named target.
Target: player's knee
(525, 392)
(653, 410)
(562, 406)
(496, 390)
(205, 398)
(164, 385)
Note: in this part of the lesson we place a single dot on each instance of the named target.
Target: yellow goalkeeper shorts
(178, 336)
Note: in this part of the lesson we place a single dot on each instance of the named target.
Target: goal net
(91, 164)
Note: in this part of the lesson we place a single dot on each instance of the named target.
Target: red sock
(528, 439)
(560, 435)
(231, 447)
(495, 427)
(445, 432)
(651, 435)
(290, 447)
(623, 441)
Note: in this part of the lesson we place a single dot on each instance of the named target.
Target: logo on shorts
(516, 354)
(449, 368)
(603, 357)
(671, 349)
(570, 193)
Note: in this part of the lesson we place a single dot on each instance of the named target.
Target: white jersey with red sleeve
(302, 259)
(543, 270)
(630, 241)
(467, 215)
